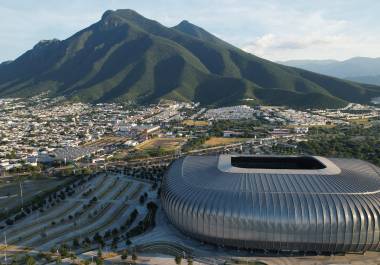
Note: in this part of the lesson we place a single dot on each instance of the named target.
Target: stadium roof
(297, 203)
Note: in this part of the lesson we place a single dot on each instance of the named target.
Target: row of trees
(147, 223)
(46, 200)
(152, 173)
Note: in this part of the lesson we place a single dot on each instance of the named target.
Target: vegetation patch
(165, 144)
(342, 141)
(147, 223)
(195, 123)
(217, 141)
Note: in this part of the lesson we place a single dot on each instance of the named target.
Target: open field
(120, 154)
(166, 144)
(195, 123)
(10, 192)
(359, 121)
(216, 141)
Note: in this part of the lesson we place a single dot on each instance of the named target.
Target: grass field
(166, 144)
(216, 141)
(195, 123)
(359, 121)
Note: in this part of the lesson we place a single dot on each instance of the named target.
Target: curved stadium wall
(276, 203)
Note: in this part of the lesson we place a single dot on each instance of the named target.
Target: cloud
(309, 35)
(270, 42)
(273, 29)
(340, 46)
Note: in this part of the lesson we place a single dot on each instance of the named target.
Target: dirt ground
(195, 123)
(215, 141)
(167, 144)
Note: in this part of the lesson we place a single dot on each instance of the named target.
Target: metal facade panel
(334, 213)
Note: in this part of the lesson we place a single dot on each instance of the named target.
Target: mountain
(369, 79)
(359, 69)
(127, 57)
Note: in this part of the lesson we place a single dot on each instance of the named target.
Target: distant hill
(360, 69)
(370, 79)
(127, 57)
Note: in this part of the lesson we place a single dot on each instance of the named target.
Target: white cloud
(274, 29)
(274, 46)
(311, 35)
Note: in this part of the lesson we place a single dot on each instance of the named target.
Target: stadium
(292, 203)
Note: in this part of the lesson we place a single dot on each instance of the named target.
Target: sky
(273, 29)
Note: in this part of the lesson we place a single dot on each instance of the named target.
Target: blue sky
(276, 30)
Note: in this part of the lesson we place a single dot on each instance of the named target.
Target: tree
(124, 256)
(115, 232)
(99, 261)
(64, 250)
(114, 243)
(97, 237)
(178, 260)
(190, 261)
(75, 242)
(30, 261)
(100, 253)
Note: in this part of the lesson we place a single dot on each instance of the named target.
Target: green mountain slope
(127, 57)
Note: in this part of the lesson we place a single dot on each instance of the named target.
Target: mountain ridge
(357, 69)
(127, 57)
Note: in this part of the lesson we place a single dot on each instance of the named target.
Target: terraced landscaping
(39, 225)
(95, 207)
(104, 211)
(73, 226)
(53, 214)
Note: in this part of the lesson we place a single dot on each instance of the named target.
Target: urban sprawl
(42, 130)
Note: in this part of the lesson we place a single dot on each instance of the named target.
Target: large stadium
(293, 203)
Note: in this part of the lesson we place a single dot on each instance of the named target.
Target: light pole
(22, 198)
(5, 243)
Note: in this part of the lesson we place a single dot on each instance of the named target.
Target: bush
(99, 261)
(178, 260)
(64, 251)
(9, 222)
(30, 260)
(76, 243)
(124, 256)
